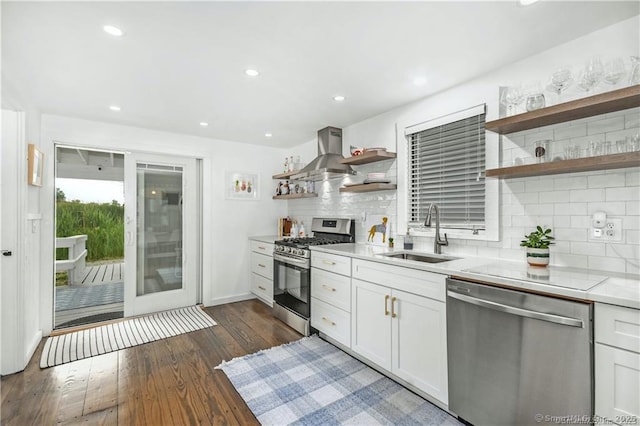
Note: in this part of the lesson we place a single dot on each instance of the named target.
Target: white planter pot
(537, 257)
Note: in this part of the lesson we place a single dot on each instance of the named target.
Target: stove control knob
(288, 249)
(300, 252)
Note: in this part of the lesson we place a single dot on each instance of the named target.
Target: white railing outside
(75, 264)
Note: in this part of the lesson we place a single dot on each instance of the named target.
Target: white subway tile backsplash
(536, 185)
(588, 249)
(603, 263)
(612, 208)
(607, 180)
(555, 196)
(633, 208)
(566, 259)
(631, 222)
(530, 139)
(623, 194)
(587, 195)
(568, 132)
(632, 118)
(567, 209)
(571, 182)
(570, 234)
(580, 221)
(605, 125)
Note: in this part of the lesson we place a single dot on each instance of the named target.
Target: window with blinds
(446, 167)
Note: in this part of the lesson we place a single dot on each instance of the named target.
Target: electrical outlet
(611, 232)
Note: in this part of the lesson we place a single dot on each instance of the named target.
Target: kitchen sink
(420, 257)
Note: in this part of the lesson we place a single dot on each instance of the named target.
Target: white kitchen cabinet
(331, 296)
(617, 363)
(371, 322)
(419, 343)
(261, 261)
(399, 323)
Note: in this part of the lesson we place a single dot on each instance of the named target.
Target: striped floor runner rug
(132, 332)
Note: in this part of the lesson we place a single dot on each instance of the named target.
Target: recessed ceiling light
(267, 135)
(527, 2)
(419, 81)
(115, 108)
(204, 124)
(251, 73)
(114, 31)
(338, 98)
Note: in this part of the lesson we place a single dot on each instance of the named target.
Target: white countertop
(597, 286)
(266, 238)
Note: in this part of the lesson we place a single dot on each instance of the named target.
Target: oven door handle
(291, 261)
(557, 319)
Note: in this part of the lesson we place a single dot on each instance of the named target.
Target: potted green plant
(537, 244)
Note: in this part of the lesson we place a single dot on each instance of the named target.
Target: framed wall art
(242, 186)
(36, 166)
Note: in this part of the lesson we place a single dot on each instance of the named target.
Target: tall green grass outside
(102, 223)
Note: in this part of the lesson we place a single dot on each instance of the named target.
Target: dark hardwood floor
(167, 382)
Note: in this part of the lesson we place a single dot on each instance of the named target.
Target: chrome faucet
(437, 242)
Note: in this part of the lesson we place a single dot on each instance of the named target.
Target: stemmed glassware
(613, 71)
(634, 74)
(592, 74)
(511, 97)
(560, 80)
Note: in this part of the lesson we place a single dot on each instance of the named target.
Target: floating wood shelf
(613, 161)
(369, 187)
(616, 100)
(368, 157)
(294, 196)
(286, 175)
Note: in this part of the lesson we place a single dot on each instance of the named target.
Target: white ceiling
(180, 63)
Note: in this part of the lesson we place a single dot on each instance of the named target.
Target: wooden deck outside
(104, 273)
(89, 298)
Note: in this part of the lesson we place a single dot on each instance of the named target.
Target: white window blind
(446, 167)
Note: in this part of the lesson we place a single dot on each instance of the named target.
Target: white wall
(23, 313)
(527, 201)
(227, 224)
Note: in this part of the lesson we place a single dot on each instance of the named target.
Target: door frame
(111, 142)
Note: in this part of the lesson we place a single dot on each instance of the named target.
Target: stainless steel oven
(292, 270)
(292, 291)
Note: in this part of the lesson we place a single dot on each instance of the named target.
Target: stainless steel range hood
(327, 164)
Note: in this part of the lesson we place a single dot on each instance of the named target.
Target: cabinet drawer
(414, 281)
(262, 287)
(260, 247)
(331, 262)
(261, 264)
(332, 321)
(617, 326)
(331, 288)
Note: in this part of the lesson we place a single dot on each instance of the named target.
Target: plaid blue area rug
(311, 382)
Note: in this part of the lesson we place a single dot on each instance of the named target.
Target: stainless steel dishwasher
(518, 358)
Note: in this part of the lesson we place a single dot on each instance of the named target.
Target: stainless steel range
(292, 270)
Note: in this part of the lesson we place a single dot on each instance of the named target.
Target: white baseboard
(31, 348)
(230, 299)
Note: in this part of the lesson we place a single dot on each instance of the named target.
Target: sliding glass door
(161, 244)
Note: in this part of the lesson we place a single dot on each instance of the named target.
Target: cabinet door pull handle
(328, 288)
(328, 262)
(386, 309)
(261, 248)
(261, 265)
(262, 288)
(328, 320)
(393, 308)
